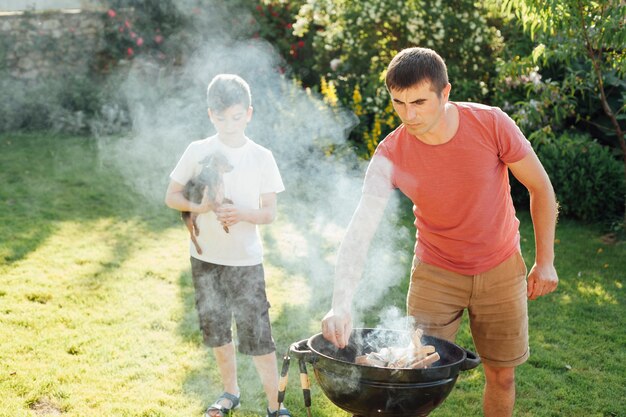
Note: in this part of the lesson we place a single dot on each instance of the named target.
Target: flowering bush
(273, 21)
(134, 28)
(351, 44)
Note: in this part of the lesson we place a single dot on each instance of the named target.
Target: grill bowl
(373, 391)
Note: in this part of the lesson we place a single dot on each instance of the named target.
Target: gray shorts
(225, 291)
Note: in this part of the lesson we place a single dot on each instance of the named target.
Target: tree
(593, 32)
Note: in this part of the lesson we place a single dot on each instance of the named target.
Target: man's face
(419, 107)
(231, 122)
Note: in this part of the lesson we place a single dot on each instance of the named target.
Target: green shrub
(341, 49)
(588, 180)
(71, 104)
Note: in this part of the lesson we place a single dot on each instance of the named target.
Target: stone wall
(38, 45)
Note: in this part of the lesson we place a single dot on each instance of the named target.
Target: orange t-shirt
(460, 190)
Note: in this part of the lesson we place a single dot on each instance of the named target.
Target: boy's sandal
(279, 412)
(217, 409)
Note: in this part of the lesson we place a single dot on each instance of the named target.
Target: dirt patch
(46, 407)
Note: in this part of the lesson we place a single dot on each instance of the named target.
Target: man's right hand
(337, 327)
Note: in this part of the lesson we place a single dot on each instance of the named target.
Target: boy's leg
(267, 369)
(227, 365)
(251, 310)
(213, 304)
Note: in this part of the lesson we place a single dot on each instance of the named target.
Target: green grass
(97, 316)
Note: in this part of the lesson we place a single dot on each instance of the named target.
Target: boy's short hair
(226, 90)
(413, 66)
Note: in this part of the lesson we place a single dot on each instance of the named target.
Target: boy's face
(231, 122)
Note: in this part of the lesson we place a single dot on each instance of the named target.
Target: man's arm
(543, 278)
(351, 259)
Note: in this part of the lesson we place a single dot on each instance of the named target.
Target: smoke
(168, 111)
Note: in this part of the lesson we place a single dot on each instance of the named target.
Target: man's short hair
(414, 66)
(226, 90)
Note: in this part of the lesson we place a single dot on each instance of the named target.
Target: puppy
(210, 180)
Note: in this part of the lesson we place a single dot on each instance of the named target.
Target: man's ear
(445, 93)
(249, 113)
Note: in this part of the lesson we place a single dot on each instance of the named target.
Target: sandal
(222, 410)
(279, 412)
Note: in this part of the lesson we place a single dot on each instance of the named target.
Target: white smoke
(168, 110)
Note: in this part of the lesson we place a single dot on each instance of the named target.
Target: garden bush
(69, 104)
(58, 104)
(588, 179)
(341, 49)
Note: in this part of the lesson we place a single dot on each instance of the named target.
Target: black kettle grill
(370, 391)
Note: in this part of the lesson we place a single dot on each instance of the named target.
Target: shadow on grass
(47, 180)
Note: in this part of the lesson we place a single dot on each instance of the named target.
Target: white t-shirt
(254, 173)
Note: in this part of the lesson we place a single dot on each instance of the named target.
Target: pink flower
(130, 52)
(121, 29)
(111, 13)
(139, 41)
(158, 39)
(127, 24)
(133, 35)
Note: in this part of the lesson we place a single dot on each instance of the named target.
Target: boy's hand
(228, 214)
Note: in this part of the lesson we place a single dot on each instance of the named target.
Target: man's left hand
(542, 280)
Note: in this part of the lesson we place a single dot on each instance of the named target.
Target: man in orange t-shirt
(452, 160)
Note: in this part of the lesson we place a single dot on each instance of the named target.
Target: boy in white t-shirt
(228, 274)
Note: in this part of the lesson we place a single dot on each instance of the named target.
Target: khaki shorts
(496, 301)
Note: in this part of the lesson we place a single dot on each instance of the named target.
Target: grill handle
(472, 360)
(302, 351)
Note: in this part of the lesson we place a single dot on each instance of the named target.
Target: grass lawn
(97, 313)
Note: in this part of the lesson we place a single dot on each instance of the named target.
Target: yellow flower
(373, 136)
(357, 99)
(329, 92)
(390, 121)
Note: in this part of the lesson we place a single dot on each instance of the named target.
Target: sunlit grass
(97, 314)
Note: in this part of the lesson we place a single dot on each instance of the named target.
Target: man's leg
(499, 324)
(499, 394)
(267, 369)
